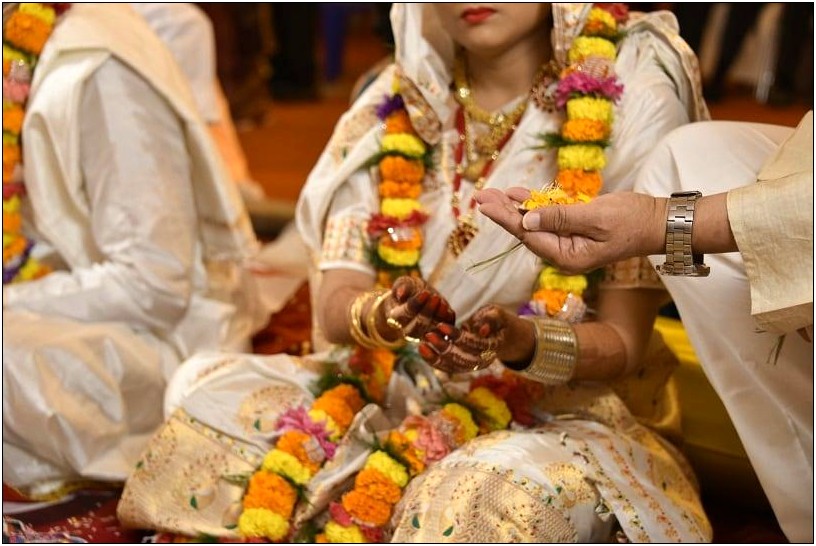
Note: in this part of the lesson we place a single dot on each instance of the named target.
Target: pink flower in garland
(339, 514)
(15, 91)
(584, 84)
(429, 439)
(298, 419)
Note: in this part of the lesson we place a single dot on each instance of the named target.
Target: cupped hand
(418, 308)
(467, 349)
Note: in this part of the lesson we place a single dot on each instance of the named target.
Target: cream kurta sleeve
(136, 171)
(772, 222)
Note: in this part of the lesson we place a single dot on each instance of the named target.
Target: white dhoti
(79, 399)
(769, 396)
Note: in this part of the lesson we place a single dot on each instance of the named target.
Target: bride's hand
(467, 349)
(418, 308)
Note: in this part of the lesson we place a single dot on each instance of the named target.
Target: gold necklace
(483, 149)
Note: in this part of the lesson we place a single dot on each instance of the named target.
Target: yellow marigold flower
(12, 117)
(41, 11)
(10, 140)
(408, 145)
(293, 442)
(377, 485)
(400, 169)
(544, 198)
(581, 156)
(589, 46)
(552, 279)
(584, 130)
(400, 208)
(552, 299)
(580, 182)
(495, 411)
(27, 32)
(11, 204)
(393, 470)
(367, 509)
(320, 416)
(11, 54)
(337, 534)
(398, 258)
(260, 522)
(464, 418)
(270, 491)
(600, 22)
(399, 122)
(287, 465)
(590, 108)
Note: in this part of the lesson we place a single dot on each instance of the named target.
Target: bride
(528, 445)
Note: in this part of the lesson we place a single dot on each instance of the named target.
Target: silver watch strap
(680, 257)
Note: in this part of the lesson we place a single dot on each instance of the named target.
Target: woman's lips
(475, 16)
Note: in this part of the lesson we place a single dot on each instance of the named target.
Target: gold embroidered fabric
(632, 273)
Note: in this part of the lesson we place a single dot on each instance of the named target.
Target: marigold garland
(587, 90)
(25, 33)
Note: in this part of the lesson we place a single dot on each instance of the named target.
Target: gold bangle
(355, 318)
(371, 324)
(556, 351)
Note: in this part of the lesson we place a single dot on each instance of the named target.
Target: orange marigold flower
(6, 67)
(377, 485)
(414, 243)
(27, 32)
(321, 539)
(8, 172)
(271, 491)
(292, 442)
(367, 509)
(13, 119)
(337, 409)
(577, 181)
(11, 222)
(554, 300)
(11, 154)
(14, 248)
(399, 122)
(349, 394)
(404, 190)
(406, 450)
(584, 130)
(400, 169)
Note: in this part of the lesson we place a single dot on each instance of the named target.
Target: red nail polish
(446, 329)
(484, 331)
(422, 297)
(426, 352)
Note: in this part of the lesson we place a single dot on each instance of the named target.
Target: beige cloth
(766, 388)
(772, 222)
(146, 236)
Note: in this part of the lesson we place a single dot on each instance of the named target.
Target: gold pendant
(473, 170)
(462, 235)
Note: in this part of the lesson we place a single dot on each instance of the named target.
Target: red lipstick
(474, 16)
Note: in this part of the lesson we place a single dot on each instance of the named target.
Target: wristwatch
(680, 258)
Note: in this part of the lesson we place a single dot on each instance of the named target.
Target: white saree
(589, 472)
